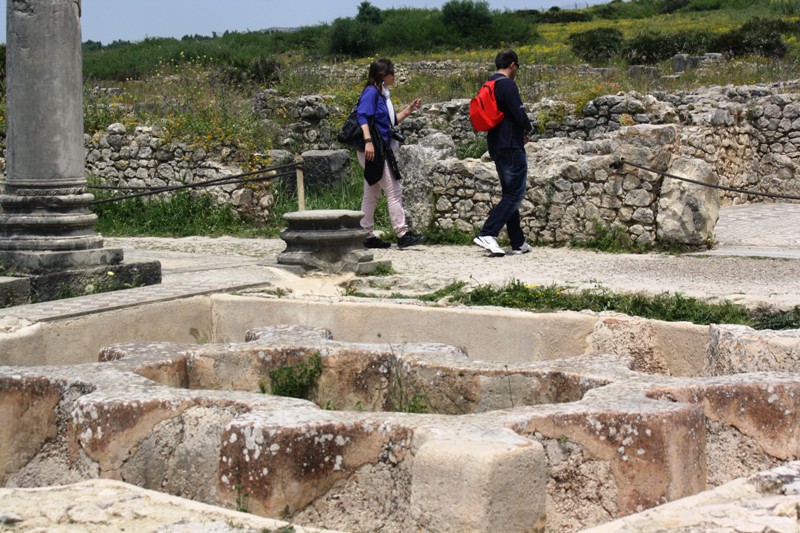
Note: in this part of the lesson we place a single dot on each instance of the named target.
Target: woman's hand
(369, 151)
(413, 106)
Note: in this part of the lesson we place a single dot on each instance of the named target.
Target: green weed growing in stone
(405, 396)
(296, 381)
(611, 239)
(383, 269)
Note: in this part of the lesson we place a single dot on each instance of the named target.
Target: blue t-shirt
(372, 104)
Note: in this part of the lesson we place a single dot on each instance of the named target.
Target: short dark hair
(505, 58)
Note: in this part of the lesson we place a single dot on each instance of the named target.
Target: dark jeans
(512, 168)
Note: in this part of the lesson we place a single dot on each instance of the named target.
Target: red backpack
(483, 111)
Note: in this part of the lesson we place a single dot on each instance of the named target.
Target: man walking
(507, 149)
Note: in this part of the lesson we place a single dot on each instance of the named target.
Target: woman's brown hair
(378, 70)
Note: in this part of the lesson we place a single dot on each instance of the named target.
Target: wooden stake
(301, 193)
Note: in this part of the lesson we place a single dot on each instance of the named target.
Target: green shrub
(351, 37)
(703, 5)
(508, 29)
(474, 149)
(768, 318)
(634, 9)
(467, 18)
(755, 37)
(789, 8)
(554, 15)
(648, 48)
(406, 29)
(671, 6)
(369, 14)
(597, 45)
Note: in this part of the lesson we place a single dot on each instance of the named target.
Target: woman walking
(377, 119)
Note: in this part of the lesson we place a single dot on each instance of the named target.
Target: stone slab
(44, 261)
(107, 506)
(768, 501)
(79, 282)
(14, 291)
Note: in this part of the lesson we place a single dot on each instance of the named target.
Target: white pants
(394, 197)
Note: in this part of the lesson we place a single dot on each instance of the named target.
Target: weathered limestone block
(285, 464)
(107, 505)
(323, 168)
(647, 145)
(34, 401)
(417, 164)
(767, 501)
(738, 349)
(654, 451)
(474, 485)
(767, 412)
(687, 213)
(631, 336)
(180, 455)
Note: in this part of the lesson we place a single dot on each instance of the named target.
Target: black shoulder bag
(351, 130)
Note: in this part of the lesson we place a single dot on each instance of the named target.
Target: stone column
(45, 222)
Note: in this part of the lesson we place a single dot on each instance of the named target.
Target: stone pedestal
(327, 240)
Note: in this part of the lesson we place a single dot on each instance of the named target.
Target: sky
(133, 20)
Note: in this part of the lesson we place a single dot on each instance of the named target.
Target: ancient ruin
(46, 228)
(413, 417)
(604, 416)
(326, 240)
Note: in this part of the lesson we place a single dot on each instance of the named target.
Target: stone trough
(583, 419)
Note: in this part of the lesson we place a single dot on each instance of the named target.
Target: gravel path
(746, 280)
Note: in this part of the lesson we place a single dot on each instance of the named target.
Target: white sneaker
(523, 249)
(489, 244)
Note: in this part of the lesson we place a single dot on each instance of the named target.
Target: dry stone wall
(743, 137)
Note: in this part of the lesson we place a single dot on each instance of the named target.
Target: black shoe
(410, 239)
(375, 242)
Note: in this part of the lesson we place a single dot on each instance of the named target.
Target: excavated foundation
(610, 417)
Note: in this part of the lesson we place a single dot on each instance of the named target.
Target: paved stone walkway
(766, 230)
(735, 270)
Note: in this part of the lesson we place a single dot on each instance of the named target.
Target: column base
(16, 262)
(62, 284)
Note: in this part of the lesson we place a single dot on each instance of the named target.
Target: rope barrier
(275, 172)
(619, 163)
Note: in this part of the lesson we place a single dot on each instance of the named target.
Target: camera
(395, 134)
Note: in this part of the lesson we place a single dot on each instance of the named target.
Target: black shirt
(511, 132)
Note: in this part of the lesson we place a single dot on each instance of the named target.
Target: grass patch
(450, 236)
(383, 269)
(180, 215)
(611, 239)
(665, 306)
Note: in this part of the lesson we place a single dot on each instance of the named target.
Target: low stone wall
(141, 158)
(742, 137)
(574, 187)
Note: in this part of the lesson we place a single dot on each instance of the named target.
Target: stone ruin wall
(748, 136)
(589, 439)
